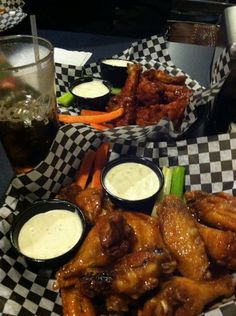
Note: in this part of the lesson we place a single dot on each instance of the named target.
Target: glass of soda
(28, 114)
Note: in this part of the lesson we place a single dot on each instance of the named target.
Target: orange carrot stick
(109, 116)
(85, 168)
(101, 127)
(91, 112)
(100, 161)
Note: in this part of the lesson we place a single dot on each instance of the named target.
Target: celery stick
(115, 90)
(66, 99)
(178, 180)
(167, 172)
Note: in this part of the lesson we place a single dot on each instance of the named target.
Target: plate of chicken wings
(177, 262)
(150, 99)
(158, 99)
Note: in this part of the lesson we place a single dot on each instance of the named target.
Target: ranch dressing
(132, 181)
(90, 89)
(50, 234)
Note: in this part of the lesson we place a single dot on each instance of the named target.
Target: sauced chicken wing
(69, 192)
(220, 245)
(90, 202)
(127, 97)
(146, 230)
(174, 92)
(149, 92)
(75, 304)
(132, 275)
(185, 297)
(166, 78)
(181, 236)
(152, 114)
(162, 76)
(217, 210)
(96, 250)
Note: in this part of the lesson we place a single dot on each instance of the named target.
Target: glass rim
(4, 39)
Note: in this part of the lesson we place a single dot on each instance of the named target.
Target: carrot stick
(91, 112)
(85, 168)
(109, 116)
(101, 127)
(100, 161)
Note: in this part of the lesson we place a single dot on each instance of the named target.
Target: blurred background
(188, 21)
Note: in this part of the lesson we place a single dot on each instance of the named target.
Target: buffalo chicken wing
(185, 297)
(217, 210)
(182, 238)
(220, 245)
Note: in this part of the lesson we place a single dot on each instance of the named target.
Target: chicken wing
(146, 230)
(110, 238)
(152, 114)
(166, 78)
(127, 97)
(90, 202)
(69, 192)
(181, 236)
(220, 245)
(132, 275)
(217, 210)
(185, 297)
(149, 92)
(75, 304)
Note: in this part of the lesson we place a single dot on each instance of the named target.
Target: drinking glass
(28, 115)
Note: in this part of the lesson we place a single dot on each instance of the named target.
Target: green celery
(66, 99)
(167, 172)
(115, 90)
(178, 180)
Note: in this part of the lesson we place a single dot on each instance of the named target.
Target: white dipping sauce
(90, 89)
(116, 62)
(132, 181)
(50, 234)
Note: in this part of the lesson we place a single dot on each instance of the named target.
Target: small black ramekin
(94, 103)
(43, 206)
(116, 75)
(143, 205)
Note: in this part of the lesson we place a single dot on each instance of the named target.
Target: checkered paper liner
(14, 14)
(151, 53)
(209, 161)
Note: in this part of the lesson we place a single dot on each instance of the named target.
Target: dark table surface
(193, 59)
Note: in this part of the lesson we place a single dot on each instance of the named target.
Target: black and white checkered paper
(152, 53)
(14, 14)
(210, 164)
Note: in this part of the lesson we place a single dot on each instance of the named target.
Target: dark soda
(28, 126)
(27, 146)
